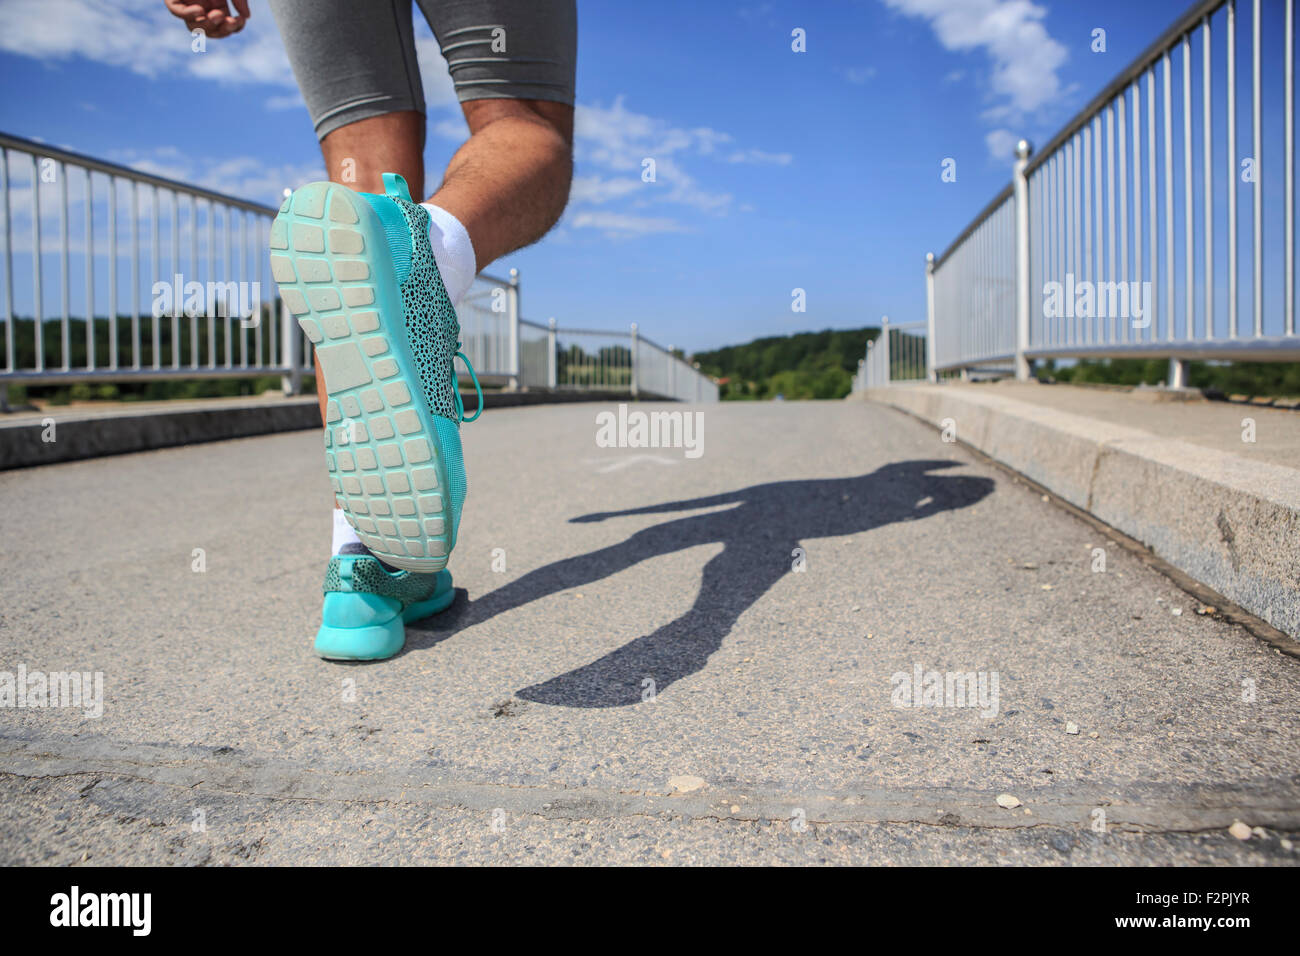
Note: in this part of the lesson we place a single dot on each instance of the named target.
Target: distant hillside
(803, 365)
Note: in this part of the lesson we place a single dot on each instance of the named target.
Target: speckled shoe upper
(365, 574)
(432, 329)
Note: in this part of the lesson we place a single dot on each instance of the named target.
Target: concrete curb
(97, 431)
(1231, 523)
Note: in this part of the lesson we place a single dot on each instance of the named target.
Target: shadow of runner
(766, 523)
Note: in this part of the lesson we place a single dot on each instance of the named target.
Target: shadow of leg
(730, 585)
(570, 573)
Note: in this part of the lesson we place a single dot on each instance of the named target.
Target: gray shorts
(354, 59)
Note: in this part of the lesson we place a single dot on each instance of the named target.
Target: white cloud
(759, 158)
(858, 75)
(1001, 144)
(243, 177)
(614, 139)
(142, 37)
(596, 190)
(623, 226)
(1024, 57)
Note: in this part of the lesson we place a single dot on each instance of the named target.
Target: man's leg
(509, 183)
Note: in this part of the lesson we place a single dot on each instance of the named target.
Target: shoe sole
(379, 641)
(330, 258)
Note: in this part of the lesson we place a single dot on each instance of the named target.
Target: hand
(213, 17)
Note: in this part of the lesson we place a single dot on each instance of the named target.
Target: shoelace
(460, 404)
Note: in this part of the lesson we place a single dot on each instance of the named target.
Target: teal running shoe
(367, 606)
(358, 271)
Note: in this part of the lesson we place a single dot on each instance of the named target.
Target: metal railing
(181, 289)
(898, 354)
(552, 357)
(184, 300)
(1128, 236)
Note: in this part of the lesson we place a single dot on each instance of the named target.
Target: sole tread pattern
(385, 466)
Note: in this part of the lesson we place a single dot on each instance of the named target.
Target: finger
(242, 7)
(186, 11)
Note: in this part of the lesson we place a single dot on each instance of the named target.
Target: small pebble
(1177, 611)
(1071, 728)
(685, 783)
(1240, 830)
(1092, 734)
(1008, 802)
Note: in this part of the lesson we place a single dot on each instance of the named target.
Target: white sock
(452, 250)
(343, 533)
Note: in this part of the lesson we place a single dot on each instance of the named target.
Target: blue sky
(776, 170)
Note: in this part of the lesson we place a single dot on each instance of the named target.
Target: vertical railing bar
(1169, 199)
(65, 345)
(112, 272)
(210, 301)
(1097, 249)
(194, 276)
(259, 252)
(1035, 248)
(135, 274)
(1289, 138)
(1074, 337)
(1122, 123)
(90, 270)
(1138, 236)
(1207, 167)
(1062, 234)
(155, 326)
(179, 293)
(243, 284)
(9, 265)
(227, 268)
(1110, 204)
(1231, 103)
(1257, 249)
(1189, 213)
(38, 281)
(1153, 204)
(272, 312)
(1086, 273)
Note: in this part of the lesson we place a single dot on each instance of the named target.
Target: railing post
(884, 338)
(634, 360)
(550, 360)
(513, 296)
(291, 380)
(1178, 373)
(672, 375)
(930, 373)
(1021, 182)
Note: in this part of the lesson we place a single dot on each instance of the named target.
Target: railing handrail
(1165, 42)
(975, 223)
(46, 151)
